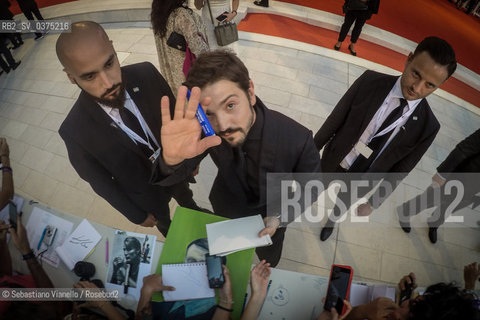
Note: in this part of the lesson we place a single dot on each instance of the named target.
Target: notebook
(79, 244)
(229, 236)
(189, 280)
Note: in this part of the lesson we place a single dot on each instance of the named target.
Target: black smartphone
(12, 212)
(406, 293)
(214, 271)
(222, 17)
(338, 287)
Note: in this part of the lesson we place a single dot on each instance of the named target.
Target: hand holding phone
(222, 17)
(338, 288)
(214, 271)
(406, 285)
(12, 212)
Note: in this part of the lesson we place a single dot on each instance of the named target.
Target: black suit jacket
(286, 147)
(104, 156)
(352, 114)
(464, 158)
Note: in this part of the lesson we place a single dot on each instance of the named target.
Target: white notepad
(229, 236)
(189, 280)
(79, 244)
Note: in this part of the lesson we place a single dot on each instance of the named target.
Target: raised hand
(181, 136)
(259, 279)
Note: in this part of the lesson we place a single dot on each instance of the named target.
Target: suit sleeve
(308, 162)
(465, 149)
(102, 181)
(337, 117)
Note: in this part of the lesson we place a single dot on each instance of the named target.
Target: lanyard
(146, 130)
(391, 127)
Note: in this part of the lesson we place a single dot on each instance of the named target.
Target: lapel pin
(113, 124)
(136, 89)
(415, 117)
(403, 127)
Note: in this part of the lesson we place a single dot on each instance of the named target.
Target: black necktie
(133, 124)
(240, 166)
(362, 164)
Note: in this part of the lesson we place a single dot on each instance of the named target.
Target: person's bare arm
(471, 273)
(6, 265)
(107, 308)
(20, 240)
(226, 298)
(199, 4)
(259, 277)
(7, 177)
(377, 309)
(151, 284)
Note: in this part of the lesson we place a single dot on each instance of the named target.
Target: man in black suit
(6, 14)
(112, 131)
(250, 142)
(29, 9)
(459, 165)
(383, 124)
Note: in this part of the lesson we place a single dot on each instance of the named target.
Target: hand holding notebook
(229, 236)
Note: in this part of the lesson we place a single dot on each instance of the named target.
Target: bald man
(112, 132)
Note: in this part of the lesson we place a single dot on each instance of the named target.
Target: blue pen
(41, 239)
(202, 118)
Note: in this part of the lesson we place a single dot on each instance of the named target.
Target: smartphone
(406, 293)
(12, 211)
(214, 271)
(222, 17)
(338, 287)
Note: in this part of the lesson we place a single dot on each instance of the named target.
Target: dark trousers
(15, 38)
(30, 11)
(432, 197)
(350, 18)
(5, 52)
(273, 253)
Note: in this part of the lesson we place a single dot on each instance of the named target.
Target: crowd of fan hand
(439, 301)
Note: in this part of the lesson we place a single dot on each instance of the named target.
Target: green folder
(188, 225)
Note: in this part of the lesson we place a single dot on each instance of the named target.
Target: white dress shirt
(391, 102)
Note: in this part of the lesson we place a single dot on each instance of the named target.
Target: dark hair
(443, 302)
(440, 51)
(132, 242)
(161, 10)
(210, 67)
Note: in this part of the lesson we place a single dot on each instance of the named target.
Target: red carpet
(279, 26)
(438, 17)
(417, 19)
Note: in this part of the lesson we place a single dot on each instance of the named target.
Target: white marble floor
(302, 81)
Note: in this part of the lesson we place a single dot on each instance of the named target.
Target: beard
(244, 132)
(117, 101)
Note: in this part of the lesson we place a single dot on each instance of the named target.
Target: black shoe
(404, 224)
(336, 48)
(16, 64)
(261, 3)
(432, 234)
(326, 233)
(354, 53)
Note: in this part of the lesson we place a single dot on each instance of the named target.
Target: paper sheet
(79, 244)
(189, 279)
(229, 236)
(136, 250)
(39, 219)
